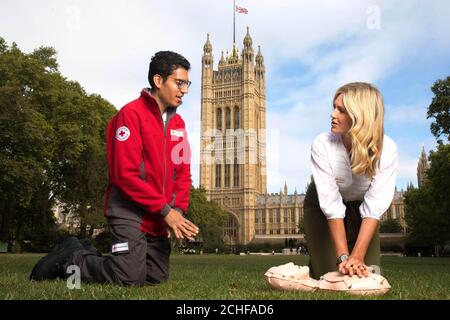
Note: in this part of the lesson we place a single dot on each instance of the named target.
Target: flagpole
(234, 21)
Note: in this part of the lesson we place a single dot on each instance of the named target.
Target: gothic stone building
(233, 150)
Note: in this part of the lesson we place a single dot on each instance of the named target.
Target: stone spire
(247, 52)
(259, 57)
(248, 41)
(410, 186)
(222, 60)
(207, 48)
(207, 95)
(260, 70)
(422, 168)
(234, 55)
(207, 59)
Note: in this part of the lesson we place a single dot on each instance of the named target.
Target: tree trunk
(7, 216)
(43, 195)
(18, 235)
(2, 221)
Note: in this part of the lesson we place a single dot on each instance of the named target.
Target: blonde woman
(354, 168)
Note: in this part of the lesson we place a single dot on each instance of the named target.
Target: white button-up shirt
(336, 183)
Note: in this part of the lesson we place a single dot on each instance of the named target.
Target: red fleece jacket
(149, 161)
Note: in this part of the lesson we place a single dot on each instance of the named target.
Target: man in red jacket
(148, 192)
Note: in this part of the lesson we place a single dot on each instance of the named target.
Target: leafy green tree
(26, 137)
(390, 226)
(209, 217)
(52, 145)
(419, 216)
(301, 227)
(428, 208)
(439, 109)
(81, 158)
(439, 183)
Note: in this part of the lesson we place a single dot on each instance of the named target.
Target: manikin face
(340, 120)
(171, 91)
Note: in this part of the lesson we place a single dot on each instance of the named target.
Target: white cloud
(409, 114)
(107, 45)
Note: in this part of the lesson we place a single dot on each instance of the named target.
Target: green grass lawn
(225, 277)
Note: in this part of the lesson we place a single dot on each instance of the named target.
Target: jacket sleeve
(181, 157)
(124, 152)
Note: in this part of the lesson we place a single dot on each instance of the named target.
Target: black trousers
(142, 259)
(322, 257)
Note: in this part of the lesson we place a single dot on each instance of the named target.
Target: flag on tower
(241, 10)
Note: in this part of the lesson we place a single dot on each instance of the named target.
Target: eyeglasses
(182, 83)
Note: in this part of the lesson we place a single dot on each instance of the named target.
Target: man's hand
(180, 226)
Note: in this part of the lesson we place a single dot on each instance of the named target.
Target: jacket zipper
(165, 125)
(165, 165)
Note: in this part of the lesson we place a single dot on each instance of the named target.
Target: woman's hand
(355, 262)
(354, 265)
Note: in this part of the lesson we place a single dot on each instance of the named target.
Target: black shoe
(87, 244)
(51, 266)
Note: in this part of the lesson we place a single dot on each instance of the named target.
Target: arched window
(219, 119)
(227, 175)
(218, 175)
(227, 118)
(236, 173)
(236, 118)
(230, 229)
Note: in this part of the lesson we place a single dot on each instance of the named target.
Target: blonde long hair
(364, 104)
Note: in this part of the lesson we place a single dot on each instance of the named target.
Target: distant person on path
(148, 192)
(354, 168)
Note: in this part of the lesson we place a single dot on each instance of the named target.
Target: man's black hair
(164, 63)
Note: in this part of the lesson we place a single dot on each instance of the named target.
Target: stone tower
(233, 142)
(422, 168)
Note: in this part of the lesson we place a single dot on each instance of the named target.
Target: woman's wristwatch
(341, 258)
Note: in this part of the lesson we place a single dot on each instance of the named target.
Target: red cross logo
(122, 134)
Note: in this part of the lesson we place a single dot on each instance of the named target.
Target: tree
(427, 208)
(81, 170)
(419, 216)
(52, 144)
(390, 226)
(301, 227)
(439, 109)
(208, 216)
(439, 184)
(26, 137)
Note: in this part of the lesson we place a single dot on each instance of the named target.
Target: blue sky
(310, 48)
